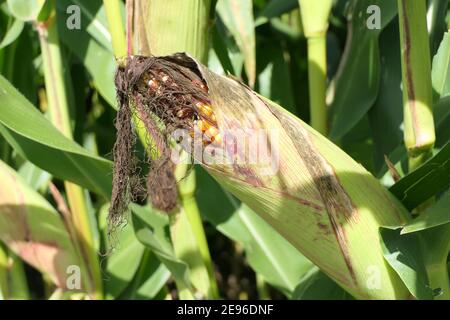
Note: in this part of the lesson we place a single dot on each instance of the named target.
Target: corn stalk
(314, 16)
(419, 133)
(13, 283)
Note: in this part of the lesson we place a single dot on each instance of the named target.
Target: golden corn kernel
(203, 125)
(200, 125)
(204, 109)
(152, 84)
(212, 132)
(184, 113)
(217, 139)
(207, 112)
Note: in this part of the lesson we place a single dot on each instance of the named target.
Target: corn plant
(232, 149)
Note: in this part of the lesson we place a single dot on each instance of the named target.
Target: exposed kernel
(203, 125)
(217, 138)
(184, 113)
(152, 84)
(204, 109)
(212, 132)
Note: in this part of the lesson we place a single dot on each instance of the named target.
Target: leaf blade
(35, 138)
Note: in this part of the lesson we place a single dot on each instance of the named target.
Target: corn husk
(326, 204)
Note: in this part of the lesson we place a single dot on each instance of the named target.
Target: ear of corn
(327, 205)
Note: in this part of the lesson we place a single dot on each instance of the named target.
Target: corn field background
(371, 77)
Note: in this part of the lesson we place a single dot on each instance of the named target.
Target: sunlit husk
(327, 205)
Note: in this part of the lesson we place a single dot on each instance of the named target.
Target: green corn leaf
(93, 19)
(442, 117)
(316, 285)
(226, 52)
(386, 114)
(403, 255)
(32, 229)
(219, 58)
(275, 8)
(151, 229)
(37, 140)
(123, 262)
(35, 177)
(355, 86)
(149, 280)
(4, 286)
(436, 22)
(441, 69)
(274, 77)
(237, 16)
(436, 246)
(124, 258)
(18, 67)
(421, 184)
(97, 58)
(436, 215)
